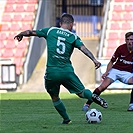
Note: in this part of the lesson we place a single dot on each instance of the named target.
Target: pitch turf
(34, 113)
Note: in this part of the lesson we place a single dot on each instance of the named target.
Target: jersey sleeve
(42, 32)
(78, 42)
(115, 55)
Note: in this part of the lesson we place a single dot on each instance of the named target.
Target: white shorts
(122, 76)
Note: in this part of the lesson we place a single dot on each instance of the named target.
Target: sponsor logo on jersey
(123, 56)
(126, 62)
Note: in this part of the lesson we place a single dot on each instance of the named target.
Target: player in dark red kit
(119, 68)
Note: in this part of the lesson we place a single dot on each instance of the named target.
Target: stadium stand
(120, 20)
(17, 15)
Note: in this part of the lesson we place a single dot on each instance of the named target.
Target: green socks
(87, 94)
(59, 106)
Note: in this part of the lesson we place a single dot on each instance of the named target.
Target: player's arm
(26, 33)
(111, 62)
(109, 67)
(88, 53)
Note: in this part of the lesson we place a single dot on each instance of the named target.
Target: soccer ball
(93, 116)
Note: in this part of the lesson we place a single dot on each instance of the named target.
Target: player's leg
(97, 92)
(53, 87)
(59, 106)
(106, 82)
(130, 81)
(94, 98)
(74, 85)
(130, 108)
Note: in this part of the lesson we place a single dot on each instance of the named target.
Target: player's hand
(97, 64)
(104, 75)
(19, 37)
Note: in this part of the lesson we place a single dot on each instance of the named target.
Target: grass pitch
(34, 113)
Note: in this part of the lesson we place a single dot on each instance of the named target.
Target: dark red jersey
(123, 59)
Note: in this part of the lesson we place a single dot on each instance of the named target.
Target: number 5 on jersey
(61, 43)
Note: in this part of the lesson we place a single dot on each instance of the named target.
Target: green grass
(34, 113)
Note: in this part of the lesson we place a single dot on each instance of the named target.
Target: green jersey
(60, 45)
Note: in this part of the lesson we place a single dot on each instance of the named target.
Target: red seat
(28, 17)
(113, 35)
(122, 35)
(128, 0)
(111, 44)
(122, 41)
(20, 52)
(15, 27)
(1, 55)
(20, 8)
(26, 1)
(32, 1)
(18, 61)
(10, 45)
(128, 16)
(126, 26)
(5, 27)
(109, 52)
(3, 35)
(8, 53)
(9, 8)
(21, 1)
(118, 8)
(26, 26)
(119, 0)
(10, 2)
(7, 18)
(12, 35)
(116, 17)
(23, 44)
(30, 8)
(115, 26)
(2, 46)
(17, 17)
(129, 8)
(18, 70)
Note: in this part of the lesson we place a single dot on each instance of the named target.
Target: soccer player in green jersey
(59, 71)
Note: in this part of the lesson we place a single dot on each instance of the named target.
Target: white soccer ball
(93, 116)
